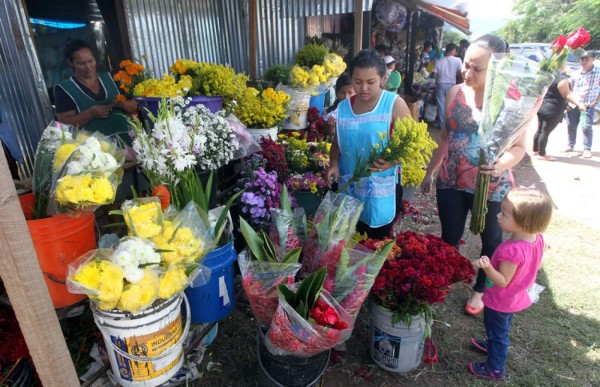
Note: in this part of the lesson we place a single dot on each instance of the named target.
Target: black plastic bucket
(289, 371)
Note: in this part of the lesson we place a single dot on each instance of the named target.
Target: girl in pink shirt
(510, 273)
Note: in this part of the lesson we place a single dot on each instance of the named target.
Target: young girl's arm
(500, 278)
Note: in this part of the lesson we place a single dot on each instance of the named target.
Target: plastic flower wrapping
(87, 173)
(515, 89)
(137, 271)
(54, 136)
(419, 271)
(306, 330)
(182, 140)
(334, 225)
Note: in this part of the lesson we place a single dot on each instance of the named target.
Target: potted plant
(418, 272)
(262, 111)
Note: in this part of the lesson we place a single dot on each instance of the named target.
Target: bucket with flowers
(262, 111)
(419, 272)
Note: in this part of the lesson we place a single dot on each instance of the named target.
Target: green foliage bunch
(310, 55)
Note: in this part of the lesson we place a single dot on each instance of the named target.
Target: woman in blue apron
(360, 121)
(88, 99)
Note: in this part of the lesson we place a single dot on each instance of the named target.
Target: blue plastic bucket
(318, 101)
(214, 301)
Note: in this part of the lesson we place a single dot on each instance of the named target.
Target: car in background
(537, 51)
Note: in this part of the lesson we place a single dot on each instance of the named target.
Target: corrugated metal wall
(202, 30)
(217, 30)
(23, 95)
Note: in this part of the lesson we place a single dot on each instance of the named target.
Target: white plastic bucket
(396, 348)
(257, 134)
(297, 112)
(145, 348)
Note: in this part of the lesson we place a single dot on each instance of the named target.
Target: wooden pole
(28, 293)
(358, 26)
(252, 22)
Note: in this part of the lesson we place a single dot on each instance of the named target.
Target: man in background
(446, 71)
(585, 83)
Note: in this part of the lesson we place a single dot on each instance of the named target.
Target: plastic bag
(184, 238)
(354, 277)
(534, 292)
(248, 144)
(287, 230)
(290, 334)
(143, 216)
(96, 276)
(334, 225)
(52, 138)
(260, 280)
(90, 175)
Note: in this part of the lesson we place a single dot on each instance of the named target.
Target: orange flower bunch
(130, 74)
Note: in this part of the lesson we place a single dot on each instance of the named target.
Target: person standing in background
(445, 72)
(586, 90)
(462, 48)
(393, 77)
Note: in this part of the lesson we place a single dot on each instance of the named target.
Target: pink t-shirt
(528, 258)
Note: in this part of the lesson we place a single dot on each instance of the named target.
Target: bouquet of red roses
(420, 273)
(334, 224)
(308, 320)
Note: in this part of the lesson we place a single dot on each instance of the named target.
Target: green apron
(116, 122)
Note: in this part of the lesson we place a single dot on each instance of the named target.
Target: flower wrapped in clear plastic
(515, 89)
(334, 225)
(143, 216)
(355, 275)
(326, 326)
(288, 229)
(89, 175)
(260, 280)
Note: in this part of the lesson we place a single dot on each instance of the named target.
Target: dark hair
(464, 43)
(75, 45)
(382, 48)
(492, 43)
(450, 47)
(368, 58)
(427, 44)
(344, 80)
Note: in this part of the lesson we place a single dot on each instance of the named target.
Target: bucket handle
(150, 358)
(54, 279)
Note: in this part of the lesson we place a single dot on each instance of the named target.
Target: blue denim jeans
(440, 97)
(575, 118)
(453, 208)
(497, 328)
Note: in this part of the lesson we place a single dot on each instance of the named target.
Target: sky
(488, 16)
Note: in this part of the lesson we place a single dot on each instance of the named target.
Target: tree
(452, 36)
(544, 20)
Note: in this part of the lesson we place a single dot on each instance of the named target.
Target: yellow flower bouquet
(138, 271)
(86, 174)
(309, 79)
(167, 87)
(264, 109)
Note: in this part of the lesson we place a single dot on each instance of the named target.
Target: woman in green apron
(88, 99)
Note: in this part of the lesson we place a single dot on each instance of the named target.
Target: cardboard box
(413, 105)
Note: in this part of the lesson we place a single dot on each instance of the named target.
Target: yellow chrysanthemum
(144, 220)
(141, 294)
(103, 279)
(181, 242)
(62, 154)
(173, 280)
(84, 189)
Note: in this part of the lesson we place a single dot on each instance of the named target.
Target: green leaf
(303, 310)
(315, 288)
(292, 256)
(286, 205)
(220, 225)
(267, 246)
(115, 212)
(288, 295)
(253, 240)
(343, 264)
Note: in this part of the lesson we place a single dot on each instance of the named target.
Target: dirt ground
(571, 181)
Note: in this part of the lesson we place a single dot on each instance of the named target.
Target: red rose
(559, 43)
(578, 38)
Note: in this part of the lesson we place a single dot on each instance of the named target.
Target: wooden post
(28, 293)
(358, 26)
(252, 22)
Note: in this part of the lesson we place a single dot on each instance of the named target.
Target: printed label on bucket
(151, 344)
(386, 349)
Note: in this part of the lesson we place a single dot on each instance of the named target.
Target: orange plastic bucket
(58, 241)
